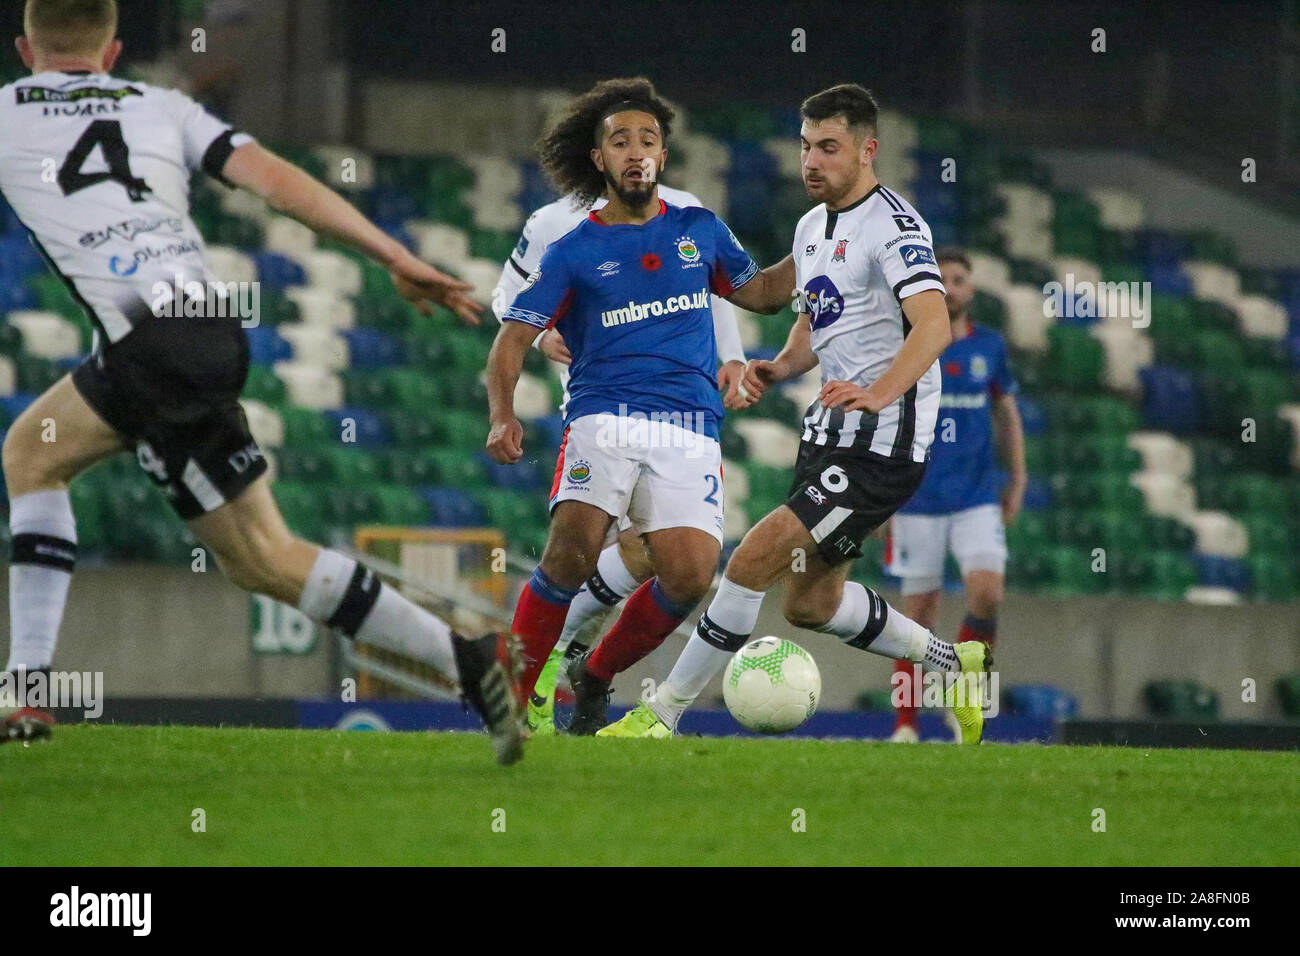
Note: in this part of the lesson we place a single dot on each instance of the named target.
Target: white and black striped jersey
(98, 169)
(853, 268)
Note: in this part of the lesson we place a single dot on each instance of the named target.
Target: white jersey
(98, 169)
(554, 220)
(853, 269)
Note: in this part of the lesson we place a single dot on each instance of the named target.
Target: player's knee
(26, 462)
(570, 555)
(806, 612)
(254, 564)
(688, 581)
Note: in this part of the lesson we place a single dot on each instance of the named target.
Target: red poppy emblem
(650, 262)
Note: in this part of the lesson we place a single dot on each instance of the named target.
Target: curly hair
(566, 149)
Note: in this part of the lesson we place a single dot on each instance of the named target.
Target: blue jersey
(963, 470)
(632, 302)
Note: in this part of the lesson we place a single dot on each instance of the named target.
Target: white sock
(45, 548)
(601, 594)
(350, 597)
(866, 621)
(723, 630)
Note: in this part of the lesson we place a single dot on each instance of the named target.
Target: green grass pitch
(115, 795)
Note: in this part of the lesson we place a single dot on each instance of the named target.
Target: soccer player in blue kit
(628, 288)
(962, 505)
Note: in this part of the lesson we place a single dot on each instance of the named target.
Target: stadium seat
(1181, 700)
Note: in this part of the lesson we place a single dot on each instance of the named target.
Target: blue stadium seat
(1158, 247)
(1169, 280)
(266, 347)
(18, 257)
(392, 204)
(371, 348)
(1219, 572)
(1032, 416)
(752, 161)
(278, 271)
(517, 477)
(15, 296)
(1171, 400)
(550, 429)
(451, 507)
(371, 429)
(11, 406)
(1038, 493)
(749, 204)
(1040, 700)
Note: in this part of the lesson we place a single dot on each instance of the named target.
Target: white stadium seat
(316, 345)
(322, 307)
(1163, 453)
(1261, 318)
(310, 386)
(532, 397)
(1027, 324)
(1165, 494)
(334, 271)
(439, 243)
(264, 422)
(1217, 533)
(230, 265)
(991, 273)
(1127, 351)
(735, 482)
(47, 335)
(1212, 280)
(289, 237)
(245, 205)
(1118, 209)
(769, 442)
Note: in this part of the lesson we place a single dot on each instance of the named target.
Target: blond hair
(70, 26)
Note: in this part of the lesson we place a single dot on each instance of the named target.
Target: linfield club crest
(580, 472)
(687, 250)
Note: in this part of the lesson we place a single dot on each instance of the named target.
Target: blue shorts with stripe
(841, 495)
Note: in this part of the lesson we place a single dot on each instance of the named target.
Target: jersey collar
(663, 208)
(833, 215)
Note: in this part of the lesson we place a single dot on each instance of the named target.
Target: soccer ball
(771, 685)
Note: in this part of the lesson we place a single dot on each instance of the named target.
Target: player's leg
(685, 561)
(918, 548)
(256, 550)
(979, 543)
(677, 503)
(55, 439)
(622, 566)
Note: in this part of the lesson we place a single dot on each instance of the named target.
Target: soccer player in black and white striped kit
(872, 314)
(114, 224)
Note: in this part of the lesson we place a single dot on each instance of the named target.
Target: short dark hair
(566, 149)
(70, 26)
(853, 102)
(952, 254)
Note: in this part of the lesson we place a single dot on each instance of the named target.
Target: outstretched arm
(289, 190)
(769, 291)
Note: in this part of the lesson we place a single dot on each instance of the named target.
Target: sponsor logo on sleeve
(916, 255)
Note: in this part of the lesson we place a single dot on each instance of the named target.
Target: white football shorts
(919, 544)
(657, 473)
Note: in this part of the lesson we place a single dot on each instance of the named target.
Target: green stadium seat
(396, 505)
(1274, 576)
(1288, 693)
(263, 385)
(1171, 575)
(1180, 700)
(306, 427)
